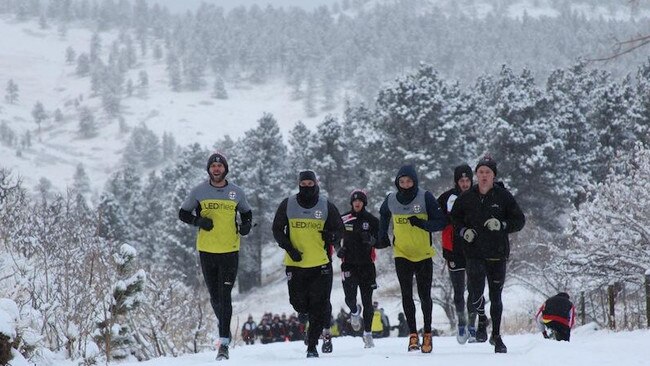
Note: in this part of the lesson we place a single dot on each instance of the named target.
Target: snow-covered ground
(587, 347)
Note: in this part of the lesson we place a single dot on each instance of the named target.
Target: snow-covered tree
(301, 145)
(87, 125)
(70, 55)
(11, 90)
(113, 331)
(263, 173)
(95, 47)
(80, 180)
(83, 64)
(174, 72)
(143, 150)
(58, 115)
(219, 89)
(39, 114)
(331, 163)
(610, 236)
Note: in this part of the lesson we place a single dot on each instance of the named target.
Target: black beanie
(488, 162)
(218, 158)
(307, 175)
(462, 171)
(359, 195)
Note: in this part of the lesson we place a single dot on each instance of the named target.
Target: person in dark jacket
(358, 268)
(484, 216)
(415, 214)
(249, 330)
(556, 317)
(309, 227)
(212, 207)
(452, 252)
(402, 327)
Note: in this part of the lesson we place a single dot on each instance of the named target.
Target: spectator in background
(556, 317)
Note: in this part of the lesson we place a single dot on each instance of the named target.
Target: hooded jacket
(409, 241)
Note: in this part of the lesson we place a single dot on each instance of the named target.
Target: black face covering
(405, 196)
(308, 196)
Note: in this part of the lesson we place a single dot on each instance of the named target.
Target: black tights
(423, 271)
(309, 293)
(219, 272)
(495, 272)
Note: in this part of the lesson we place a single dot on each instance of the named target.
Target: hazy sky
(183, 5)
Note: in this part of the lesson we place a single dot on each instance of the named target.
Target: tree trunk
(611, 301)
(250, 262)
(647, 297)
(582, 307)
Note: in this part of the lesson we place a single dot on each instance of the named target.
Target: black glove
(384, 242)
(294, 254)
(329, 237)
(204, 223)
(368, 239)
(416, 221)
(245, 228)
(342, 251)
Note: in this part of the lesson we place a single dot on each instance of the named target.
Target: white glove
(493, 224)
(469, 235)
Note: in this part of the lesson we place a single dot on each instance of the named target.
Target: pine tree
(264, 171)
(12, 92)
(310, 98)
(143, 83)
(143, 149)
(411, 127)
(87, 125)
(301, 145)
(80, 180)
(95, 47)
(194, 68)
(219, 90)
(157, 51)
(42, 22)
(112, 220)
(129, 88)
(112, 89)
(174, 72)
(83, 65)
(331, 164)
(70, 55)
(168, 146)
(58, 116)
(114, 332)
(39, 115)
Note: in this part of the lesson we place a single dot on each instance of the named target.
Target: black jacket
(472, 209)
(456, 250)
(356, 251)
(333, 224)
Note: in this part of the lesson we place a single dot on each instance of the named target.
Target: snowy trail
(588, 347)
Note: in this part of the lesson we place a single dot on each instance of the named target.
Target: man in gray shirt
(212, 206)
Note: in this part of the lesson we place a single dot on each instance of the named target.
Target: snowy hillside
(35, 59)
